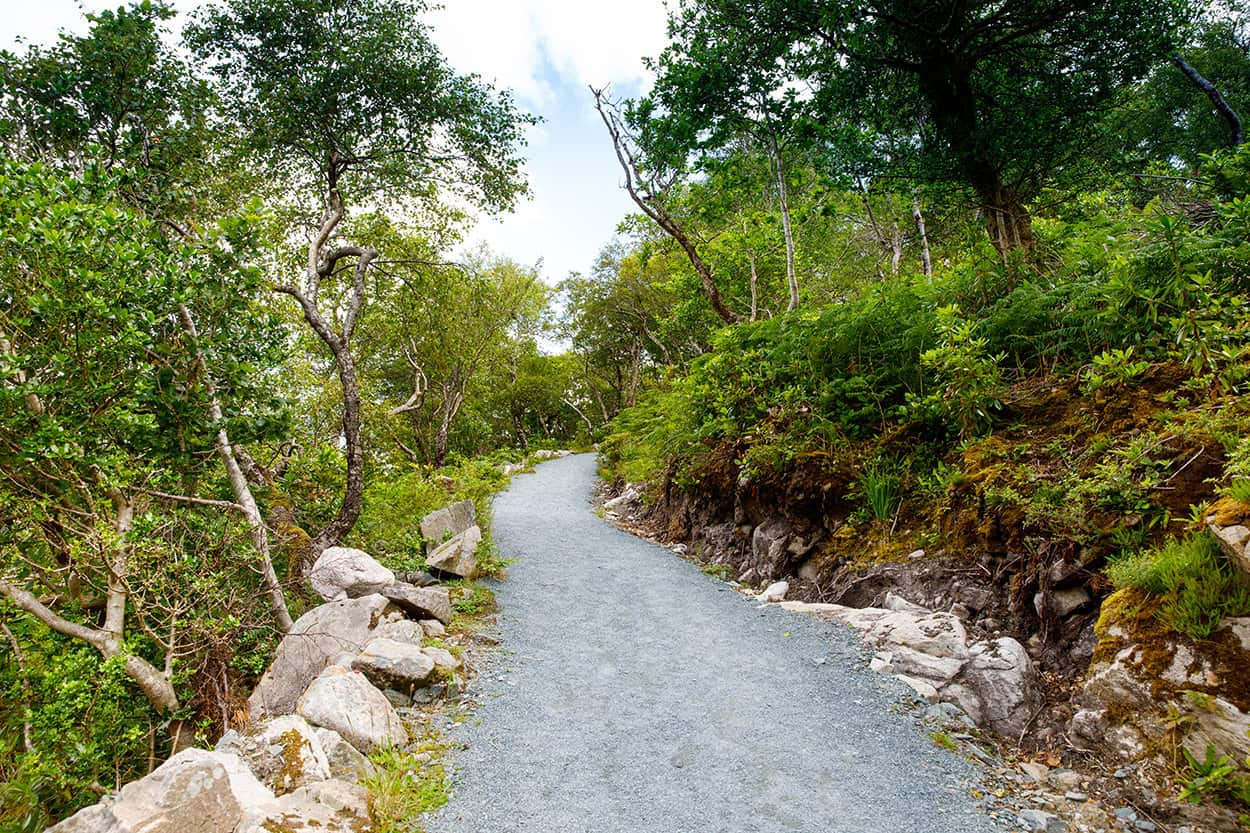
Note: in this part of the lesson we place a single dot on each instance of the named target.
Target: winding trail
(633, 694)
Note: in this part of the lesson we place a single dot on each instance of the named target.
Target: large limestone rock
(1001, 676)
(315, 640)
(397, 665)
(285, 753)
(332, 806)
(346, 573)
(421, 602)
(459, 555)
(195, 791)
(993, 682)
(631, 495)
(448, 522)
(1148, 686)
(346, 702)
(404, 630)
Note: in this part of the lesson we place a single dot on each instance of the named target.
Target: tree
(1169, 116)
(352, 101)
(650, 177)
(118, 98)
(1006, 93)
(113, 401)
(451, 324)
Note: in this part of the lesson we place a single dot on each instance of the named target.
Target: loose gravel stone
(633, 693)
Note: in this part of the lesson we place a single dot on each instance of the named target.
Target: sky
(546, 52)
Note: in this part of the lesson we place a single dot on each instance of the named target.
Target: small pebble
(1075, 796)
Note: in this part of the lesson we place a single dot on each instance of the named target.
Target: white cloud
(518, 45)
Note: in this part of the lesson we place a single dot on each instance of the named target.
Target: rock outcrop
(1229, 522)
(993, 681)
(285, 753)
(195, 791)
(1150, 689)
(446, 523)
(331, 806)
(458, 556)
(420, 602)
(388, 663)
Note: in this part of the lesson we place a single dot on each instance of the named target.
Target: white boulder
(285, 753)
(775, 592)
(346, 573)
(346, 702)
(316, 640)
(459, 555)
(195, 791)
(388, 663)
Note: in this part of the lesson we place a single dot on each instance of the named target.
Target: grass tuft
(1198, 586)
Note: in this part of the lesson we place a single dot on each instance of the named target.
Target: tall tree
(352, 101)
(445, 327)
(1007, 92)
(120, 99)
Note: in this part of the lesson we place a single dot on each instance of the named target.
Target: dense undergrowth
(1088, 394)
(75, 729)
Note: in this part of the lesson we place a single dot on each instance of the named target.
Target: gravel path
(632, 693)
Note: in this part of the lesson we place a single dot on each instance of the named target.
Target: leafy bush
(1197, 585)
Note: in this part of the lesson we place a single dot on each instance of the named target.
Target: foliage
(1198, 586)
(407, 784)
(390, 526)
(119, 98)
(970, 379)
(1215, 777)
(880, 492)
(361, 87)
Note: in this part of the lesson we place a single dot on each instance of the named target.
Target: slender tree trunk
(20, 658)
(755, 277)
(1237, 135)
(1007, 221)
(926, 259)
(590, 429)
(354, 490)
(896, 248)
(651, 204)
(784, 203)
(239, 485)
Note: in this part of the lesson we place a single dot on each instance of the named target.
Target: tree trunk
(926, 259)
(154, 685)
(650, 201)
(1007, 221)
(239, 485)
(354, 490)
(784, 203)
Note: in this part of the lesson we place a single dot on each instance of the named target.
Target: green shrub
(1197, 585)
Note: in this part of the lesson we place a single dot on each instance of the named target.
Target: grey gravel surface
(633, 693)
